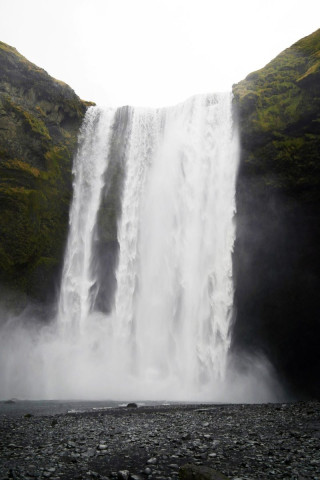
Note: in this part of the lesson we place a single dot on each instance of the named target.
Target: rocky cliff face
(277, 256)
(39, 121)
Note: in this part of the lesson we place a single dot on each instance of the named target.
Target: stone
(90, 452)
(102, 446)
(240, 448)
(197, 472)
(123, 475)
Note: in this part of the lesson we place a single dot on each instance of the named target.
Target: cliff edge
(277, 256)
(39, 121)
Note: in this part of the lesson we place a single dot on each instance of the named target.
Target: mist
(38, 362)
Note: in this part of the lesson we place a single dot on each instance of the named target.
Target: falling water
(146, 302)
(89, 167)
(170, 327)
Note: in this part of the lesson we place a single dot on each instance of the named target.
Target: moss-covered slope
(277, 254)
(279, 108)
(39, 121)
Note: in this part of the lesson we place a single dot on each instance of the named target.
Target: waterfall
(89, 166)
(170, 325)
(146, 299)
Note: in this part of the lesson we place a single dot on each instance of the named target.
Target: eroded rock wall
(277, 255)
(39, 121)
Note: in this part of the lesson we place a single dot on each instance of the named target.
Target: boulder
(196, 472)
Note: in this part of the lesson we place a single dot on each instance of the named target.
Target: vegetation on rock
(277, 258)
(279, 114)
(39, 122)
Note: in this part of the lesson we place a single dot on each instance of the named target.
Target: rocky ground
(272, 441)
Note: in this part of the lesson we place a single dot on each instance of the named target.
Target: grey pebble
(123, 474)
(244, 442)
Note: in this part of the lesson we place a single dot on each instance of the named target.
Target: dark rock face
(277, 257)
(39, 121)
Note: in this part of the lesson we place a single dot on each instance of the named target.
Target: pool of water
(55, 407)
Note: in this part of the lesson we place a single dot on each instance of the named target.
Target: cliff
(39, 122)
(277, 256)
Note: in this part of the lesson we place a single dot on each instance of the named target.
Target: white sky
(153, 52)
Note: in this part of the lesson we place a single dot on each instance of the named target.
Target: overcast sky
(153, 52)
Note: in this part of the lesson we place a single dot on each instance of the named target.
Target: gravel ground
(269, 441)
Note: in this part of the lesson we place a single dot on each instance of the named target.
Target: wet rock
(123, 475)
(41, 118)
(102, 447)
(194, 472)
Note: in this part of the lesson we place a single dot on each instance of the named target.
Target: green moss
(39, 122)
(276, 254)
(7, 49)
(314, 69)
(279, 112)
(35, 124)
(55, 155)
(20, 165)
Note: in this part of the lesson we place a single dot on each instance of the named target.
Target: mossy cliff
(39, 122)
(277, 253)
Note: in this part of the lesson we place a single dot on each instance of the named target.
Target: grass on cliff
(279, 115)
(39, 122)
